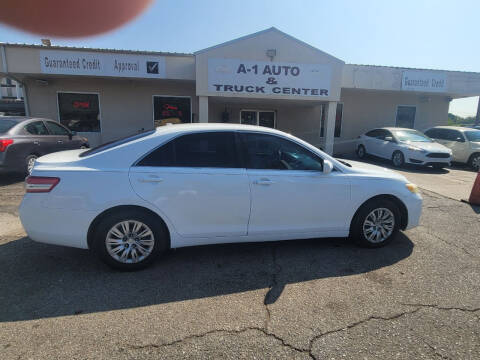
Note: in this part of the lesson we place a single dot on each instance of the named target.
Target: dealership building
(268, 78)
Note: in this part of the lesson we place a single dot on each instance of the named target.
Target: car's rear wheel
(376, 223)
(361, 152)
(30, 163)
(398, 160)
(474, 162)
(129, 239)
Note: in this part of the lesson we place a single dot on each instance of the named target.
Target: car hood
(431, 147)
(374, 170)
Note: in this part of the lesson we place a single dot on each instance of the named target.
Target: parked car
(24, 139)
(403, 146)
(464, 143)
(196, 184)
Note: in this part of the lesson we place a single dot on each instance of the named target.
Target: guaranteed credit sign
(268, 78)
(101, 64)
(429, 81)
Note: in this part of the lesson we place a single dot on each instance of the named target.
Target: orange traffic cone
(474, 198)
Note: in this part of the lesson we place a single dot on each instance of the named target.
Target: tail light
(4, 143)
(40, 184)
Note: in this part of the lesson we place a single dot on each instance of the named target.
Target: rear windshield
(115, 143)
(6, 125)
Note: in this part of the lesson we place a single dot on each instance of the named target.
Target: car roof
(391, 128)
(459, 128)
(20, 119)
(199, 127)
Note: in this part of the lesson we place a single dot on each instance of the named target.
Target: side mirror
(72, 134)
(389, 138)
(327, 167)
(460, 139)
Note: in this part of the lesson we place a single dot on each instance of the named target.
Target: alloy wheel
(397, 159)
(31, 164)
(476, 162)
(130, 241)
(379, 225)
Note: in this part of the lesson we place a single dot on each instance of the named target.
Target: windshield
(411, 135)
(6, 125)
(114, 143)
(473, 135)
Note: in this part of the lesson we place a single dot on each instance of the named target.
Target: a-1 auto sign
(101, 64)
(235, 76)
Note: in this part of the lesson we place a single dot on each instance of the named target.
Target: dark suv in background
(24, 139)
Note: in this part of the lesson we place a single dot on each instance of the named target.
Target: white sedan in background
(403, 146)
(196, 184)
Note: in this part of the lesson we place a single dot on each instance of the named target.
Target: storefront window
(170, 109)
(406, 116)
(79, 112)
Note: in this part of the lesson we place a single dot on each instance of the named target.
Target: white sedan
(403, 146)
(196, 184)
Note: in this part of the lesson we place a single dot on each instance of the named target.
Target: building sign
(268, 78)
(101, 64)
(429, 81)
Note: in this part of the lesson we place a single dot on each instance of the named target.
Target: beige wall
(126, 106)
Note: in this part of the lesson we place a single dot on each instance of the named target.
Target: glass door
(256, 117)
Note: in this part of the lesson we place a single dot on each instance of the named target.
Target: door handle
(36, 142)
(150, 180)
(60, 141)
(263, 182)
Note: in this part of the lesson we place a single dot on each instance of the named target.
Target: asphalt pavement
(417, 298)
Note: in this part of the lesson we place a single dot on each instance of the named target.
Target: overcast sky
(441, 34)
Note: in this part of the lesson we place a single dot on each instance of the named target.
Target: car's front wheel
(376, 223)
(129, 239)
(398, 160)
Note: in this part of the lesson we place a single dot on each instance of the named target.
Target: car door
(290, 192)
(372, 141)
(60, 138)
(385, 144)
(197, 181)
(35, 141)
(454, 140)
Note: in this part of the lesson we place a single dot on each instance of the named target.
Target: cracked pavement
(316, 299)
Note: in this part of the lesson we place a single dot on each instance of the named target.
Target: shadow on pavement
(10, 178)
(41, 281)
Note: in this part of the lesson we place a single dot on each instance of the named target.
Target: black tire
(159, 230)
(357, 233)
(28, 169)
(398, 160)
(474, 161)
(361, 152)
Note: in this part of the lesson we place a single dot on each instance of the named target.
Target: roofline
(262, 32)
(410, 68)
(102, 50)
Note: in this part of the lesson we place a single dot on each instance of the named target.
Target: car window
(411, 135)
(210, 149)
(114, 143)
(432, 133)
(265, 151)
(473, 135)
(36, 128)
(6, 125)
(374, 133)
(452, 135)
(56, 129)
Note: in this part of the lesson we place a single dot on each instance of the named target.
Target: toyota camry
(194, 184)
